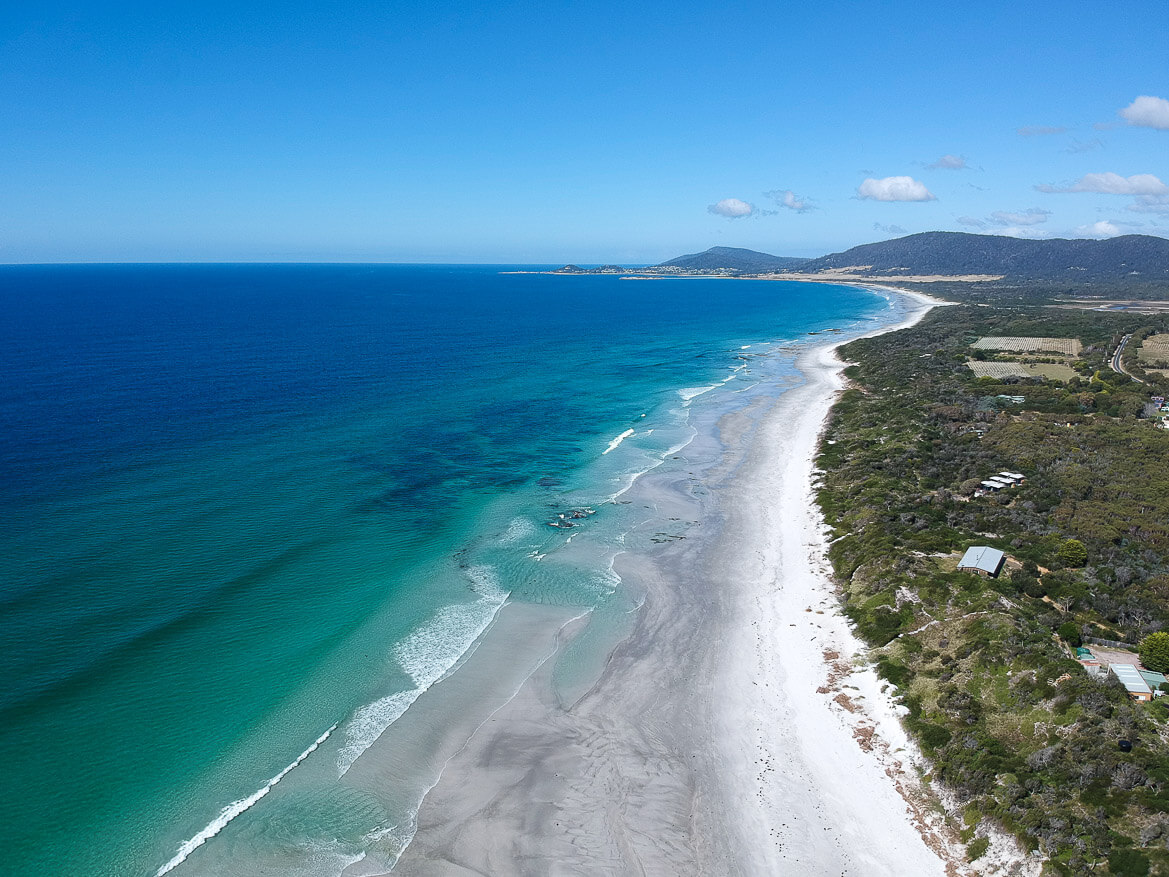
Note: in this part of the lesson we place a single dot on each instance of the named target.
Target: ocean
(250, 514)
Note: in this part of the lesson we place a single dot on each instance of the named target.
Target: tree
(1154, 650)
(1073, 553)
(1069, 632)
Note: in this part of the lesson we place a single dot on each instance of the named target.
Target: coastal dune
(733, 731)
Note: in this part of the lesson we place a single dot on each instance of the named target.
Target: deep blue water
(239, 505)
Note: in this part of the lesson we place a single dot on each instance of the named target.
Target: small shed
(981, 559)
(1085, 657)
(1132, 680)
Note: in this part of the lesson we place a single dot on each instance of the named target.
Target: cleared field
(1066, 346)
(999, 370)
(1053, 371)
(1155, 348)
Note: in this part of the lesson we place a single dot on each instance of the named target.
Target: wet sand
(732, 732)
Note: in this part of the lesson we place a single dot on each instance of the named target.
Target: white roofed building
(981, 559)
(1130, 677)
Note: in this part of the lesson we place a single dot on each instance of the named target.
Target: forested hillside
(1126, 257)
(1019, 731)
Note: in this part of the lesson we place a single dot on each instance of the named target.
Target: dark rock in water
(550, 481)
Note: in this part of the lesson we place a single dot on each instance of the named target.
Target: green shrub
(894, 672)
(977, 849)
(1069, 632)
(1154, 650)
(1128, 863)
(1073, 553)
(933, 736)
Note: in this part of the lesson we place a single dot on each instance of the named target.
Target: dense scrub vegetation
(1014, 727)
(1015, 291)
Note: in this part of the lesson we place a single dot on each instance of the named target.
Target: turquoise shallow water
(249, 513)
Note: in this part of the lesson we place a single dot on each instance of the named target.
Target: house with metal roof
(1132, 680)
(982, 560)
(1153, 680)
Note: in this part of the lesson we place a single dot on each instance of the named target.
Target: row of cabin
(1003, 479)
(1162, 408)
(1140, 684)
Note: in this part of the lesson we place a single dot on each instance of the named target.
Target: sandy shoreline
(730, 733)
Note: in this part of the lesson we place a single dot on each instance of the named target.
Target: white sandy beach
(734, 731)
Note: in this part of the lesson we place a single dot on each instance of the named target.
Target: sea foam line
(427, 655)
(234, 809)
(613, 444)
(688, 394)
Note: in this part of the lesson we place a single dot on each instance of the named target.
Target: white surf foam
(234, 809)
(617, 441)
(370, 722)
(690, 393)
(682, 444)
(517, 530)
(427, 655)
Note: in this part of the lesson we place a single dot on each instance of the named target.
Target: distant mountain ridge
(952, 253)
(734, 259)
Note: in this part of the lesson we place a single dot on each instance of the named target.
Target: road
(1117, 366)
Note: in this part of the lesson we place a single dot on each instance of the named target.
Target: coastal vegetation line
(1020, 735)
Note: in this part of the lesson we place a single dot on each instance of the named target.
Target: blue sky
(585, 132)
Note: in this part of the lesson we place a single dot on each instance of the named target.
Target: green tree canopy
(1073, 553)
(1154, 651)
(1069, 632)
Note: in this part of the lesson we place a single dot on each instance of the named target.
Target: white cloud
(972, 221)
(1151, 204)
(894, 189)
(1034, 216)
(1113, 184)
(1039, 130)
(1148, 112)
(789, 199)
(889, 229)
(1020, 231)
(731, 208)
(1101, 229)
(949, 162)
(1078, 146)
